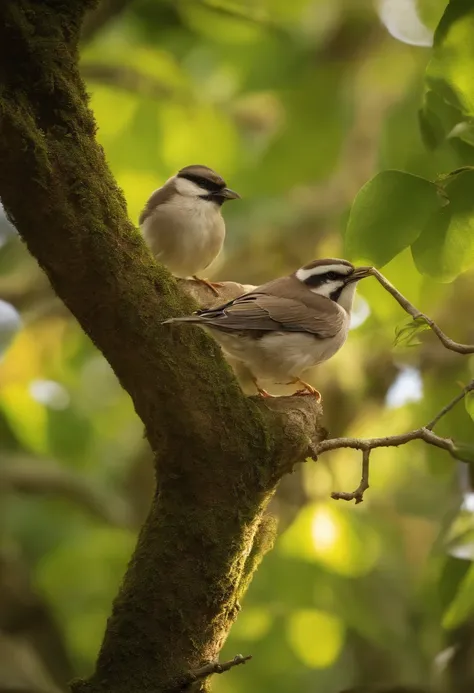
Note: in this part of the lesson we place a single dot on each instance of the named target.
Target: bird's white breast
(280, 356)
(185, 233)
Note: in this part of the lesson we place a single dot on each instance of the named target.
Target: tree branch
(218, 454)
(457, 451)
(417, 315)
(389, 442)
(367, 445)
(358, 494)
(208, 670)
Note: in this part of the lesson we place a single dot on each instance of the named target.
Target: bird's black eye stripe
(319, 279)
(314, 280)
(202, 182)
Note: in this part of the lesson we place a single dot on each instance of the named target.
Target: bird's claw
(309, 391)
(264, 393)
(213, 286)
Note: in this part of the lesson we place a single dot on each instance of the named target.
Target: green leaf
(452, 574)
(431, 11)
(445, 248)
(388, 215)
(405, 334)
(464, 452)
(449, 72)
(462, 605)
(469, 402)
(437, 119)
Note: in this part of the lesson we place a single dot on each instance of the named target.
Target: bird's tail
(187, 318)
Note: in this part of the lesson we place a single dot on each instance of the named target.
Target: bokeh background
(297, 104)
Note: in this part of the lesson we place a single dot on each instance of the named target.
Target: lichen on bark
(219, 455)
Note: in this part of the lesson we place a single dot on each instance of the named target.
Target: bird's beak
(228, 194)
(359, 273)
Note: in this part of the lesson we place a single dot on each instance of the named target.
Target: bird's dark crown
(203, 176)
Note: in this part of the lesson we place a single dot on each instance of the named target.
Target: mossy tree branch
(218, 454)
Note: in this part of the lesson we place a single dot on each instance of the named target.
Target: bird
(280, 329)
(182, 222)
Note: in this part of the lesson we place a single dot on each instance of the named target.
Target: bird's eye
(332, 275)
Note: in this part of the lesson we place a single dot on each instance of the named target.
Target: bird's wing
(263, 312)
(157, 198)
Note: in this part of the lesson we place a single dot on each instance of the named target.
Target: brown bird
(182, 222)
(281, 329)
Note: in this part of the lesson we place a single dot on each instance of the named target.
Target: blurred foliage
(303, 107)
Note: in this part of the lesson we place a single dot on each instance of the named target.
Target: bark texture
(219, 455)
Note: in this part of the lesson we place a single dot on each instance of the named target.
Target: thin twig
(451, 405)
(416, 314)
(211, 668)
(358, 494)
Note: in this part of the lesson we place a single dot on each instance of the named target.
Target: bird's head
(333, 278)
(201, 182)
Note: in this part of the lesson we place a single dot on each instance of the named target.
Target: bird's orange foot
(261, 392)
(264, 393)
(213, 286)
(308, 390)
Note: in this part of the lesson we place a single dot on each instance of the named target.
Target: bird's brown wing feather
(263, 312)
(158, 197)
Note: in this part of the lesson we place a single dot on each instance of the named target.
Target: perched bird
(280, 329)
(182, 222)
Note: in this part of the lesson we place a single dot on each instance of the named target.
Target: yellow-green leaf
(388, 214)
(445, 248)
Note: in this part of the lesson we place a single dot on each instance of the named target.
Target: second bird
(281, 329)
(182, 222)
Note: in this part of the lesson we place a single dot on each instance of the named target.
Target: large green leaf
(450, 70)
(388, 215)
(437, 119)
(462, 605)
(445, 248)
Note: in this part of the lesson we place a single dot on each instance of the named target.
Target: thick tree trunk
(219, 455)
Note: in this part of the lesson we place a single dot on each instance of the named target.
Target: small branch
(389, 442)
(425, 433)
(416, 314)
(451, 405)
(358, 494)
(211, 668)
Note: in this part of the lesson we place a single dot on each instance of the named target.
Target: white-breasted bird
(281, 329)
(182, 222)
